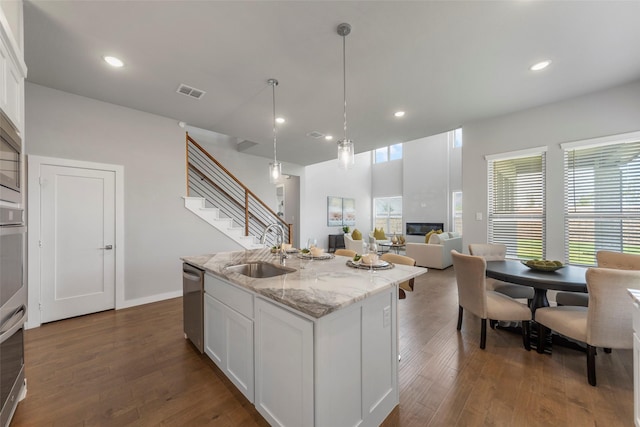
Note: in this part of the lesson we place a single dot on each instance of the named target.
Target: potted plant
(345, 229)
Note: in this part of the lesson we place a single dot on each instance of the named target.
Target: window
(516, 192)
(382, 155)
(457, 138)
(385, 154)
(602, 199)
(456, 210)
(387, 213)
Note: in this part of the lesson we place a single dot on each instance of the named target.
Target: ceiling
(444, 63)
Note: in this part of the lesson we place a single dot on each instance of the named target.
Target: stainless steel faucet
(279, 238)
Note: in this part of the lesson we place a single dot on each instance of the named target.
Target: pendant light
(346, 149)
(275, 168)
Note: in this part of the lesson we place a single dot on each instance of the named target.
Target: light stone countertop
(316, 288)
(635, 295)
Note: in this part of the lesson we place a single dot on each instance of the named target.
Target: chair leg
(459, 317)
(542, 336)
(591, 364)
(483, 334)
(526, 340)
(607, 350)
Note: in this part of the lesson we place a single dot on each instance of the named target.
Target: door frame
(34, 164)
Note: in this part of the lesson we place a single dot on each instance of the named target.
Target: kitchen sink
(259, 270)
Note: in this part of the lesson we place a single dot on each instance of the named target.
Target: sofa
(436, 253)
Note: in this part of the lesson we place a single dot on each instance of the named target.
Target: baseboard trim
(148, 300)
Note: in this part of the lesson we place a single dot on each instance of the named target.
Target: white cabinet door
(228, 341)
(284, 366)
(11, 87)
(636, 379)
(214, 339)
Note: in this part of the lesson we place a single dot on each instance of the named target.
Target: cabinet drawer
(230, 295)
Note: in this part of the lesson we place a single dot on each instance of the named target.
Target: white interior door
(77, 241)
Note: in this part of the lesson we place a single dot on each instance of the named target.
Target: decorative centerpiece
(543, 265)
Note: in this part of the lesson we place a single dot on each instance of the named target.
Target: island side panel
(283, 366)
(380, 357)
(357, 363)
(338, 355)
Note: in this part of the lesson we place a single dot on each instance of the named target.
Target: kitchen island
(314, 347)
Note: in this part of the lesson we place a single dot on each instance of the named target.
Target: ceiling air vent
(190, 91)
(315, 134)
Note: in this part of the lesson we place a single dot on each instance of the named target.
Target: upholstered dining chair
(474, 297)
(345, 252)
(498, 252)
(405, 260)
(605, 259)
(607, 321)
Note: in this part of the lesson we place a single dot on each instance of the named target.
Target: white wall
(158, 229)
(326, 179)
(608, 112)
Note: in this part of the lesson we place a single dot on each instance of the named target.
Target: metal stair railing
(207, 178)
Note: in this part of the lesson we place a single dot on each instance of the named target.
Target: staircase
(220, 199)
(197, 205)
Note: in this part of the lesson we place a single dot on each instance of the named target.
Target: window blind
(516, 214)
(602, 200)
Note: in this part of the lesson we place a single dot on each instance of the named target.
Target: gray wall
(158, 229)
(608, 112)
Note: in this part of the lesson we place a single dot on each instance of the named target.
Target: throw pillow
(429, 238)
(428, 235)
(356, 234)
(379, 234)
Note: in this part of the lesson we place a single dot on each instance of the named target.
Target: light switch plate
(478, 216)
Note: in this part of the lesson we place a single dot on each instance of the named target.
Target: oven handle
(15, 322)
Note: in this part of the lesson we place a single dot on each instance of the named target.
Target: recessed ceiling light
(113, 61)
(540, 65)
(399, 113)
(280, 120)
(328, 137)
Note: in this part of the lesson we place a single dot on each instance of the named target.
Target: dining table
(569, 278)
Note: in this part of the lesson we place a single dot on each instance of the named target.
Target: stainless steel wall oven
(10, 161)
(13, 310)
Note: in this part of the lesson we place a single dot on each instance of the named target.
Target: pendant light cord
(344, 81)
(274, 83)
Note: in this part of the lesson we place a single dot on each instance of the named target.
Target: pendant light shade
(346, 149)
(275, 168)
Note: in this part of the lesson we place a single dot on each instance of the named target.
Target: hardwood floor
(133, 367)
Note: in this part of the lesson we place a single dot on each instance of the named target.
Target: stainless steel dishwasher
(193, 304)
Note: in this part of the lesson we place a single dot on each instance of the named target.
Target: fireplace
(422, 228)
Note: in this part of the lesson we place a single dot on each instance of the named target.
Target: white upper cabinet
(13, 69)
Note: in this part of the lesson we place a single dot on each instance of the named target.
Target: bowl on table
(543, 265)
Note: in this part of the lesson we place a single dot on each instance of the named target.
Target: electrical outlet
(386, 316)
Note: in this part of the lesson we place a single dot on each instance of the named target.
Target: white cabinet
(338, 370)
(228, 334)
(636, 364)
(12, 75)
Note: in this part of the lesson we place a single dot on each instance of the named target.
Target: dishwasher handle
(191, 277)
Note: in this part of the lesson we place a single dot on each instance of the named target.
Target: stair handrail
(247, 191)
